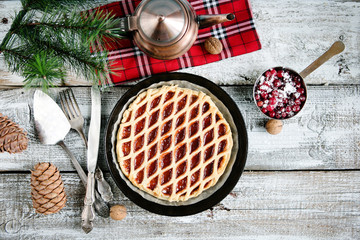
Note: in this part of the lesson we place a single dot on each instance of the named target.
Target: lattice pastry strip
(173, 143)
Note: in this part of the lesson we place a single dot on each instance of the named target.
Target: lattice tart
(173, 143)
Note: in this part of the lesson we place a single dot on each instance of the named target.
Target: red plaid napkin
(238, 37)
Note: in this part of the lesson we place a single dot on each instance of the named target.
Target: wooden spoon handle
(336, 48)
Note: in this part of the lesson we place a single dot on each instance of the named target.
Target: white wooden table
(301, 184)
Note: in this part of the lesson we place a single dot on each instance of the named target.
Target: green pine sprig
(43, 70)
(47, 38)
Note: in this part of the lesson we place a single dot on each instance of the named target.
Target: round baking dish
(202, 202)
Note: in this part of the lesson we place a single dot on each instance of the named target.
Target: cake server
(92, 154)
(52, 127)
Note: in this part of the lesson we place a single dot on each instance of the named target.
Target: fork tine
(67, 106)
(63, 104)
(70, 103)
(74, 103)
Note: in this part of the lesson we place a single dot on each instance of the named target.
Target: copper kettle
(166, 29)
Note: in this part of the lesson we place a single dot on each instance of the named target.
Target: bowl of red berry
(280, 93)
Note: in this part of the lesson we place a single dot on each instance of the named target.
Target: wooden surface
(301, 184)
(267, 205)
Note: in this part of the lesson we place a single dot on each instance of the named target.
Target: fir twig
(78, 58)
(43, 70)
(88, 27)
(40, 48)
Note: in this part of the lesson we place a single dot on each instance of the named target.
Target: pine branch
(96, 25)
(73, 54)
(78, 33)
(40, 48)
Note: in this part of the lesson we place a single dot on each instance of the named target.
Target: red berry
(275, 93)
(270, 108)
(266, 84)
(302, 98)
(268, 74)
(272, 101)
(272, 114)
(278, 115)
(273, 71)
(300, 90)
(297, 84)
(260, 103)
(257, 97)
(277, 83)
(284, 114)
(288, 109)
(297, 101)
(264, 95)
(280, 74)
(264, 110)
(264, 87)
(296, 108)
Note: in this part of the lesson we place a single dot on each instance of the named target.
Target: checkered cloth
(238, 37)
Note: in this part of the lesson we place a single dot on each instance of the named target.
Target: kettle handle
(128, 24)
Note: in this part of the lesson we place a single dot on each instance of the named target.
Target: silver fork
(76, 120)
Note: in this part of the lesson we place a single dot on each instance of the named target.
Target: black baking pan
(232, 178)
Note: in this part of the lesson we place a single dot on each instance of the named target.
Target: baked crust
(173, 143)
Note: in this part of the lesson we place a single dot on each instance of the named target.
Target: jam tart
(173, 143)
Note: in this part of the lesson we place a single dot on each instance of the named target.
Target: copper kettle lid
(162, 21)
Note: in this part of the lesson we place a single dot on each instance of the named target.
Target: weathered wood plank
(325, 136)
(263, 205)
(293, 34)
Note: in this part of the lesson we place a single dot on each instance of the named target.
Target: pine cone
(47, 189)
(12, 138)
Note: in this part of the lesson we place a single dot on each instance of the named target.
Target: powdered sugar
(288, 89)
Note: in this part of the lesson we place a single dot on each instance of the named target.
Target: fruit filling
(280, 93)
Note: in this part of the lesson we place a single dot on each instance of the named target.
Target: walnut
(274, 126)
(213, 45)
(118, 212)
